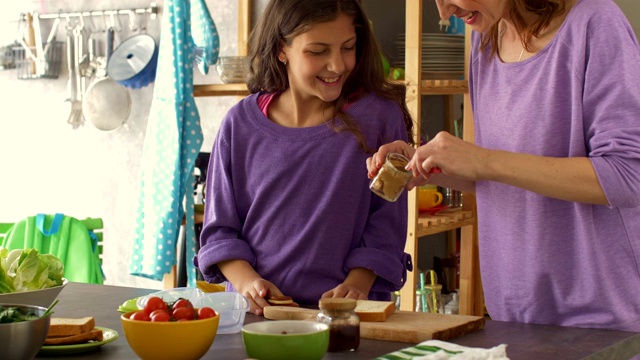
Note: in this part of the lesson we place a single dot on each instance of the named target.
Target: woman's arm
(570, 179)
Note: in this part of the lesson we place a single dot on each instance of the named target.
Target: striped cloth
(441, 350)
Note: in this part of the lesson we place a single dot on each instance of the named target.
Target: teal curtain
(172, 143)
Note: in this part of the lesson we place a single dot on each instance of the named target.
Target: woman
(288, 210)
(555, 93)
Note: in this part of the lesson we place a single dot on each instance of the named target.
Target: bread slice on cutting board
(70, 326)
(374, 311)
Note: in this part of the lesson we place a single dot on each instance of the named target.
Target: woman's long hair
(546, 10)
(283, 20)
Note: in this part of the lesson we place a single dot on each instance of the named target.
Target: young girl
(288, 210)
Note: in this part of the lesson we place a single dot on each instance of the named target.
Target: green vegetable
(14, 314)
(25, 270)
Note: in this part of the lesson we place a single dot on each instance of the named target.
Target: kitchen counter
(525, 341)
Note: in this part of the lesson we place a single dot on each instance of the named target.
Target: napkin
(441, 350)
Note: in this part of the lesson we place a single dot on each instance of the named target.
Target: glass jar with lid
(392, 177)
(344, 323)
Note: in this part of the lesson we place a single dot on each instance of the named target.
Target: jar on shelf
(344, 323)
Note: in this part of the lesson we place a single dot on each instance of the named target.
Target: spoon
(48, 311)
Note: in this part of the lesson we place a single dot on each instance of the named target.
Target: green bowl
(286, 340)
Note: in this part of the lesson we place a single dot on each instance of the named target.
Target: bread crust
(93, 335)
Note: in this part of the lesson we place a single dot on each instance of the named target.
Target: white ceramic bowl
(43, 297)
(231, 306)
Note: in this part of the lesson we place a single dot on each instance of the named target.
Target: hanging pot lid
(133, 62)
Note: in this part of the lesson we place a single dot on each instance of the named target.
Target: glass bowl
(232, 69)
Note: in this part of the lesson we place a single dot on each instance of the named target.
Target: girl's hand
(355, 286)
(257, 292)
(374, 163)
(345, 291)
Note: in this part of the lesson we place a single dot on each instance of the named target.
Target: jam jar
(344, 323)
(392, 177)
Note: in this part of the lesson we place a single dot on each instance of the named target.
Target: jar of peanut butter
(392, 177)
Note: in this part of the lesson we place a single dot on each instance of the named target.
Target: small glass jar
(392, 177)
(344, 323)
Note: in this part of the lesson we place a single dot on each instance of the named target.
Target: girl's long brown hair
(283, 20)
(546, 10)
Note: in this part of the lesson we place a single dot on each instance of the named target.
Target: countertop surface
(524, 341)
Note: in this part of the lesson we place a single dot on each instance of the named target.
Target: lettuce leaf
(25, 270)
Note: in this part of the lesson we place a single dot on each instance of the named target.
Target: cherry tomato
(159, 311)
(206, 312)
(183, 313)
(140, 315)
(160, 316)
(154, 303)
(182, 303)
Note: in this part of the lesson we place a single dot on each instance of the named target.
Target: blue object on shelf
(456, 27)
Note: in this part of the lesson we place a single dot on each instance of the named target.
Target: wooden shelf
(444, 87)
(419, 83)
(220, 90)
(444, 221)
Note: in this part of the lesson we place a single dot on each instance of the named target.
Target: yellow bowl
(170, 340)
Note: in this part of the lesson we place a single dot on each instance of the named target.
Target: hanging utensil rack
(152, 10)
(25, 60)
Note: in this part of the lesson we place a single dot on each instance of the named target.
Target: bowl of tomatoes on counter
(170, 330)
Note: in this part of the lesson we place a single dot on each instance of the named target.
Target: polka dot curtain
(173, 141)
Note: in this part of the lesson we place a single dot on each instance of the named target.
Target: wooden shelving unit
(244, 29)
(471, 298)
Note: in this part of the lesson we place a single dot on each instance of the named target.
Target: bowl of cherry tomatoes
(170, 330)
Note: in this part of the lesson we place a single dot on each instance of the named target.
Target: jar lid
(337, 304)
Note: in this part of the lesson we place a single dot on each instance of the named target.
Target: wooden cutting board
(402, 326)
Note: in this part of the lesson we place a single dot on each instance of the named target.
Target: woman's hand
(453, 156)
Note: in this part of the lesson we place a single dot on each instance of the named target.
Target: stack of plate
(442, 55)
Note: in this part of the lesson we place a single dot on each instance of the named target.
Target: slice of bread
(91, 335)
(374, 311)
(70, 326)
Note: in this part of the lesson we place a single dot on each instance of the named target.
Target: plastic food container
(231, 306)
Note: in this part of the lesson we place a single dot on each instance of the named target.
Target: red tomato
(140, 315)
(154, 303)
(185, 313)
(155, 312)
(160, 316)
(206, 312)
(182, 303)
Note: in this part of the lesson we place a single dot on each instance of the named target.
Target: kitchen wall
(47, 166)
(632, 9)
